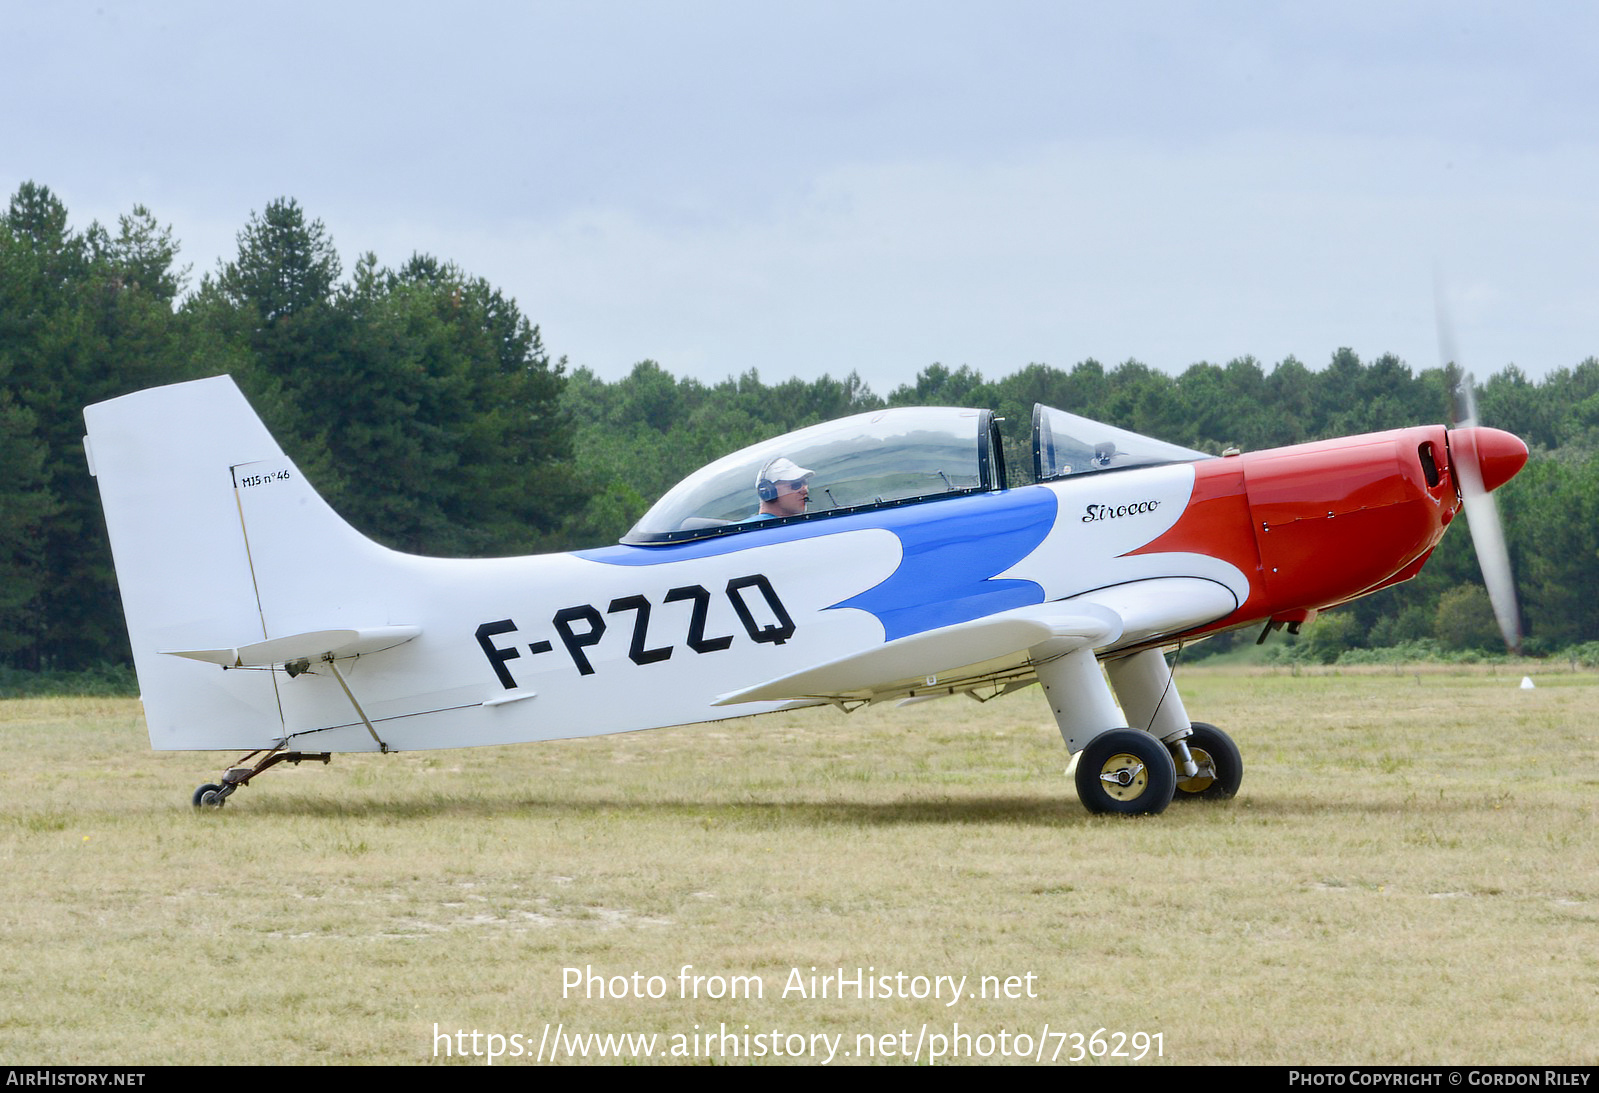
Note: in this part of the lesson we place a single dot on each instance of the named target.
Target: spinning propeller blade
(1482, 460)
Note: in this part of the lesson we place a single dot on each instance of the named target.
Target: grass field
(1410, 874)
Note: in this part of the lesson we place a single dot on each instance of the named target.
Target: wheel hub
(1202, 778)
(1124, 776)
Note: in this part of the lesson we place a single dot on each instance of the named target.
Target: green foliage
(1403, 626)
(1585, 655)
(1421, 651)
(1330, 636)
(1465, 620)
(1551, 510)
(83, 317)
(286, 266)
(28, 506)
(100, 680)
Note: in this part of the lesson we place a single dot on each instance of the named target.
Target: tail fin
(220, 545)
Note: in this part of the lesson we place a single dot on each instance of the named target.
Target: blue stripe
(952, 550)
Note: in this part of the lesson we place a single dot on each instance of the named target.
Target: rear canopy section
(884, 458)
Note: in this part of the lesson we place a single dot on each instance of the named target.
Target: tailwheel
(1126, 771)
(1221, 768)
(210, 795)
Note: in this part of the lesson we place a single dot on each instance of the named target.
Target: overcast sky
(828, 187)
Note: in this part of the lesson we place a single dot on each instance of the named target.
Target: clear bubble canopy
(889, 457)
(885, 457)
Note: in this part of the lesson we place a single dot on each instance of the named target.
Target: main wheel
(1126, 771)
(1215, 750)
(209, 796)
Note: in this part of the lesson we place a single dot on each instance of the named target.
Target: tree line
(425, 407)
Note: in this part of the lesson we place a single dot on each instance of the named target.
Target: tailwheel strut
(213, 795)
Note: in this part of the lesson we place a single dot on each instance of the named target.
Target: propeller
(1482, 460)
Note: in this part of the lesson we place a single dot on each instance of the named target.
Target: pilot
(783, 488)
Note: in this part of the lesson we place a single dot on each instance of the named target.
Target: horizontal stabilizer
(312, 645)
(940, 652)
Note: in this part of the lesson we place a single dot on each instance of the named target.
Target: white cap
(781, 469)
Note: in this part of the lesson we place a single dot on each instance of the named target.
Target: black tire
(1210, 744)
(1127, 772)
(209, 796)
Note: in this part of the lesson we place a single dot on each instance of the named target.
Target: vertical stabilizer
(201, 505)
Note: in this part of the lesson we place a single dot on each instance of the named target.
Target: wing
(1001, 649)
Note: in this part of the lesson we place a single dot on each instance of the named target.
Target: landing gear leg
(1208, 764)
(1120, 770)
(212, 795)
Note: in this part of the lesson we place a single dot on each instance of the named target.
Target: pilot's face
(791, 497)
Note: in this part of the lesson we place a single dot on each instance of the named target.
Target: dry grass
(1407, 876)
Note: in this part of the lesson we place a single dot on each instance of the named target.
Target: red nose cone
(1499, 454)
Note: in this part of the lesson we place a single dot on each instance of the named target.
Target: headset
(765, 488)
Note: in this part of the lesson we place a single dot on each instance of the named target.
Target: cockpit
(901, 456)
